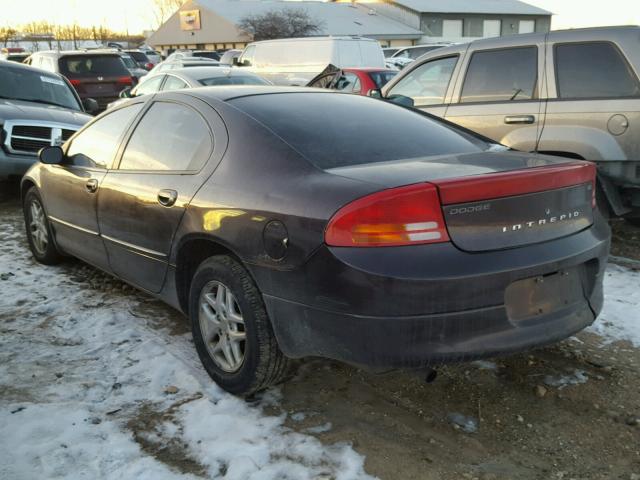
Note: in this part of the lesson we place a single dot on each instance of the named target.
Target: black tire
(49, 254)
(263, 364)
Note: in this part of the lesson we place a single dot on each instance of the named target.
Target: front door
(499, 93)
(71, 190)
(143, 200)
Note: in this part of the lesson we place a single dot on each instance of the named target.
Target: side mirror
(401, 100)
(374, 93)
(126, 93)
(90, 105)
(51, 155)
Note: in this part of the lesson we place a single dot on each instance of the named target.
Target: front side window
(593, 70)
(501, 75)
(428, 83)
(247, 56)
(96, 146)
(170, 137)
(173, 83)
(152, 85)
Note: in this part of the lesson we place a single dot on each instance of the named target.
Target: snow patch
(620, 317)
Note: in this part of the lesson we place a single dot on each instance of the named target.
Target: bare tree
(6, 34)
(163, 9)
(286, 23)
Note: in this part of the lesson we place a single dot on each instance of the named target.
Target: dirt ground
(512, 418)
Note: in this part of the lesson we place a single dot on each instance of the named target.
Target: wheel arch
(192, 250)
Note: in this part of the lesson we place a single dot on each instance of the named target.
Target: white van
(295, 61)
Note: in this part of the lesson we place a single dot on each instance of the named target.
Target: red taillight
(149, 66)
(407, 215)
(75, 82)
(124, 80)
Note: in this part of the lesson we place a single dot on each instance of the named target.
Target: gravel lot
(99, 381)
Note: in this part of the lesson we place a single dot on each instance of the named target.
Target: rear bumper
(419, 341)
(434, 304)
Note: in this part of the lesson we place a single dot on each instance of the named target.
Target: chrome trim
(55, 137)
(71, 225)
(134, 247)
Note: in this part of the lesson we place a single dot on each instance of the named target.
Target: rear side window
(92, 65)
(96, 146)
(332, 130)
(348, 83)
(501, 75)
(233, 80)
(173, 83)
(170, 137)
(593, 70)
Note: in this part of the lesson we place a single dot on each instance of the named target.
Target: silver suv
(572, 93)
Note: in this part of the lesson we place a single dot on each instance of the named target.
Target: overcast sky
(136, 15)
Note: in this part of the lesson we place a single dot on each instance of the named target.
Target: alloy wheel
(222, 326)
(38, 227)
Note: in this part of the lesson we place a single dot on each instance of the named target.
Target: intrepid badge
(542, 221)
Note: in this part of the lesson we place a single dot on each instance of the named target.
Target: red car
(359, 81)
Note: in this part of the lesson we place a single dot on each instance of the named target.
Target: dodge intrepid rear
(291, 222)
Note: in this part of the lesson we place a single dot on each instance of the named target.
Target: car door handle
(167, 198)
(92, 185)
(519, 119)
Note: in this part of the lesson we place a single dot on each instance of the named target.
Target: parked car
(153, 56)
(571, 93)
(228, 57)
(37, 109)
(295, 61)
(98, 74)
(134, 69)
(189, 78)
(442, 247)
(184, 63)
(405, 56)
(360, 81)
(190, 54)
(141, 59)
(14, 54)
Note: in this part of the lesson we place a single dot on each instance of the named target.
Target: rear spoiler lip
(514, 182)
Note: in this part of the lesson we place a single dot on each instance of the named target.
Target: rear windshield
(139, 57)
(336, 130)
(92, 65)
(212, 55)
(233, 80)
(382, 78)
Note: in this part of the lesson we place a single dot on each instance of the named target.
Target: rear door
(164, 162)
(499, 93)
(594, 99)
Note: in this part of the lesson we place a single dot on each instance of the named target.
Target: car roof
(63, 53)
(225, 93)
(196, 73)
(369, 69)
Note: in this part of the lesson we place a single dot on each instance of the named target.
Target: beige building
(212, 24)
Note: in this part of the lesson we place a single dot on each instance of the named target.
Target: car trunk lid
(494, 201)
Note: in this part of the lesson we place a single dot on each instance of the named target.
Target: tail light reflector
(408, 215)
(519, 182)
(75, 82)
